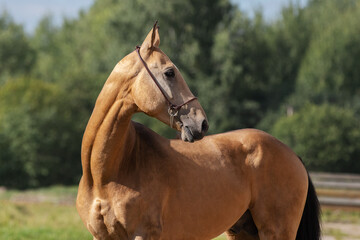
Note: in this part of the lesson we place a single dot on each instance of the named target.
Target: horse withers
(139, 185)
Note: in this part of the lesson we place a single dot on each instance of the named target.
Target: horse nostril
(204, 126)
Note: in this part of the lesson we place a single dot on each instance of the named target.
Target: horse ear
(152, 40)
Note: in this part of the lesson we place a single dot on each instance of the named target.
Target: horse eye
(170, 73)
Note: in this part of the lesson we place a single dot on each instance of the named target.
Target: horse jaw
(186, 134)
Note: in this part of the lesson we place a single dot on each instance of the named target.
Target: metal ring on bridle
(173, 112)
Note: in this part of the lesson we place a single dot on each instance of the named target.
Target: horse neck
(109, 136)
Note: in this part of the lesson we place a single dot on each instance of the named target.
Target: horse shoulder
(256, 147)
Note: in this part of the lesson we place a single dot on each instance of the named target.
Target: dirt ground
(343, 231)
(340, 223)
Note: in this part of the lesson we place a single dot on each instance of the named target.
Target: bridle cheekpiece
(173, 109)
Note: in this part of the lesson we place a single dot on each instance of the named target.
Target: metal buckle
(173, 113)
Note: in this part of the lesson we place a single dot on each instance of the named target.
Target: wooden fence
(337, 189)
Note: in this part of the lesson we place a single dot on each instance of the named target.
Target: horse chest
(123, 216)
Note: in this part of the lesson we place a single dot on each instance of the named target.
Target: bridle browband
(173, 109)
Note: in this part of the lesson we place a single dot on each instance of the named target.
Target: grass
(20, 221)
(44, 214)
(50, 214)
(350, 215)
(337, 234)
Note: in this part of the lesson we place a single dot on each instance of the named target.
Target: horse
(137, 184)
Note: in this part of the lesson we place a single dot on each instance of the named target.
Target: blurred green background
(296, 76)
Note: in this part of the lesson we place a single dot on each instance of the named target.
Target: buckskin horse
(139, 185)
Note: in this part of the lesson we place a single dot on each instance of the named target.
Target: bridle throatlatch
(173, 109)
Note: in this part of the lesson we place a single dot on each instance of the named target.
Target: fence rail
(337, 189)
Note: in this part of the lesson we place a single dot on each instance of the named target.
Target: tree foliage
(39, 140)
(325, 136)
(16, 54)
(247, 72)
(330, 71)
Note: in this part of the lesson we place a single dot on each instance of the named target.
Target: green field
(41, 214)
(50, 214)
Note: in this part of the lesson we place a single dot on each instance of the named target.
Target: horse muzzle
(192, 130)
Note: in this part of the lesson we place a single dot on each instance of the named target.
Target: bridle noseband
(173, 109)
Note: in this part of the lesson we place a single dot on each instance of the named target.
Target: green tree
(40, 135)
(256, 66)
(234, 94)
(322, 67)
(16, 54)
(326, 137)
(330, 72)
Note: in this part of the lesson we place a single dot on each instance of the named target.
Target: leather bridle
(173, 109)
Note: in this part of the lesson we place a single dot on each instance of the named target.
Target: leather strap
(173, 108)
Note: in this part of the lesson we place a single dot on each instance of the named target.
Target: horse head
(160, 91)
